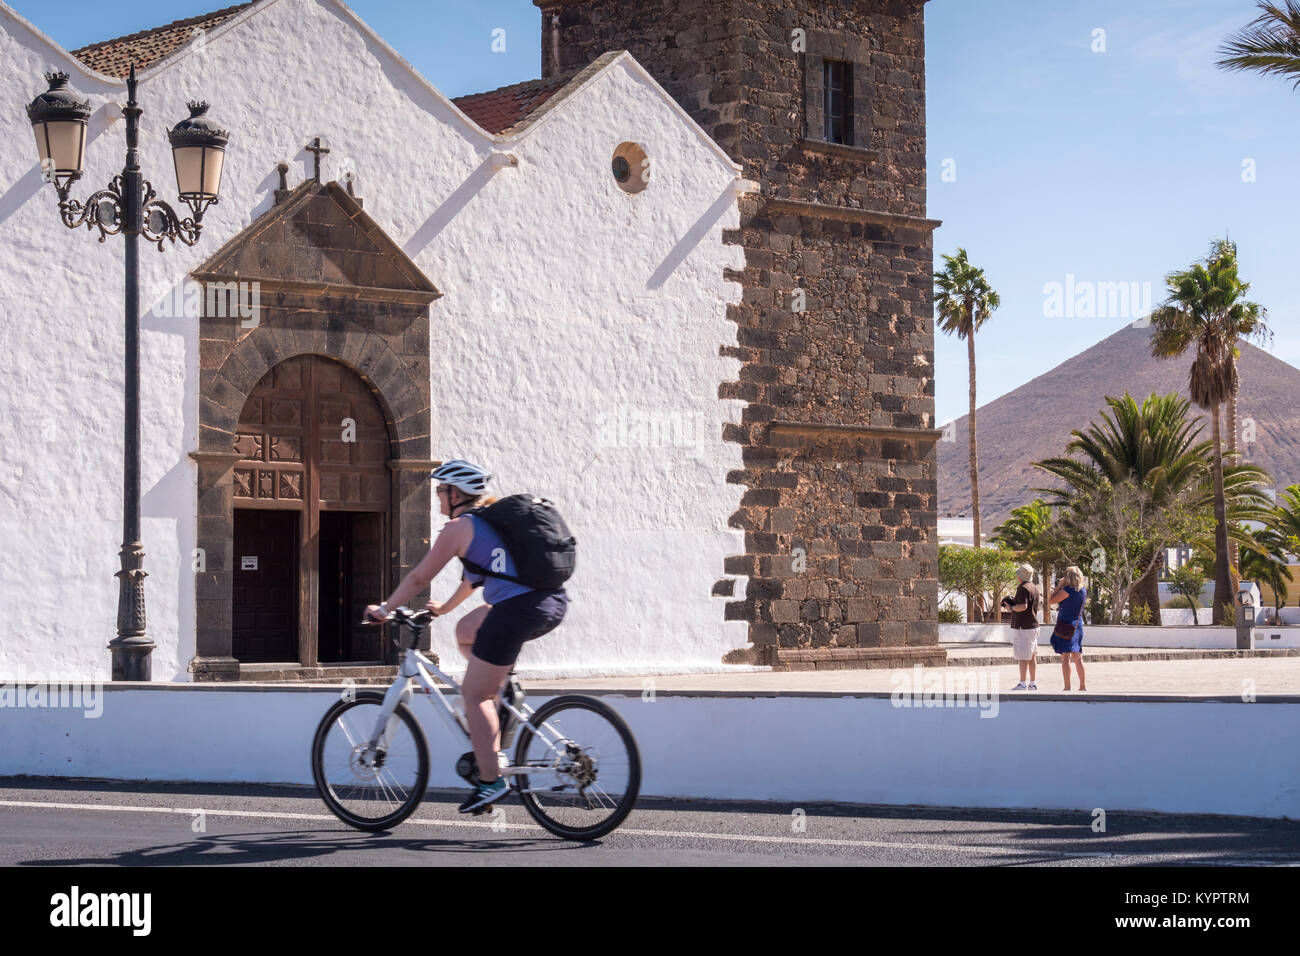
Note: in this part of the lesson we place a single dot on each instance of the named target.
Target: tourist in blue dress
(1070, 595)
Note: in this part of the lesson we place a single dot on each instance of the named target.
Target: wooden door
(265, 618)
(351, 576)
(313, 439)
(366, 583)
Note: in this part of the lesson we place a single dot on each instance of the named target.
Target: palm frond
(1270, 44)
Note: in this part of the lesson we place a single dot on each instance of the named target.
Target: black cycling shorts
(515, 620)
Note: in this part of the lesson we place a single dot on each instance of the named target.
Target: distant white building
(958, 531)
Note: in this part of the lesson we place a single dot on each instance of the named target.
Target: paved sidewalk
(1223, 677)
(987, 648)
(979, 654)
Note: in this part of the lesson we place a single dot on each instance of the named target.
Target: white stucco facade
(574, 352)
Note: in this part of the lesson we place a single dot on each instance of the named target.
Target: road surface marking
(680, 834)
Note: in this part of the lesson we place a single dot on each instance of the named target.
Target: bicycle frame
(416, 668)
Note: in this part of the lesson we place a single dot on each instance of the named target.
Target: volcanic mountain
(1016, 430)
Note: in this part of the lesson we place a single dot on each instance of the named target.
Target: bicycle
(381, 754)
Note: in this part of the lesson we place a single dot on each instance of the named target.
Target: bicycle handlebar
(403, 615)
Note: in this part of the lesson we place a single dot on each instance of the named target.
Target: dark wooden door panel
(366, 543)
(332, 550)
(351, 549)
(352, 441)
(265, 597)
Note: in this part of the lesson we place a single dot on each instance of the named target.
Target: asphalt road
(61, 823)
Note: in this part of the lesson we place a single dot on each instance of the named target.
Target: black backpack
(537, 538)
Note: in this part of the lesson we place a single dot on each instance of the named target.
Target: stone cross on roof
(317, 147)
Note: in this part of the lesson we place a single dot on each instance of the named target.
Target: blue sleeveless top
(486, 550)
(1070, 609)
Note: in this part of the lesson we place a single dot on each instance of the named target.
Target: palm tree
(1206, 311)
(1253, 327)
(1269, 44)
(1265, 561)
(1282, 535)
(1159, 447)
(1155, 443)
(1286, 516)
(1027, 531)
(963, 301)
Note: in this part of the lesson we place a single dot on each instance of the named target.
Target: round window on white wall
(631, 168)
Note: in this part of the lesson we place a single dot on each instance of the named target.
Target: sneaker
(1032, 686)
(484, 794)
(1020, 686)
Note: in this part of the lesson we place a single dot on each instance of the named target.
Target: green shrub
(950, 613)
(1139, 615)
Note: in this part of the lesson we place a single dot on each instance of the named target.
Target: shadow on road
(233, 849)
(1025, 836)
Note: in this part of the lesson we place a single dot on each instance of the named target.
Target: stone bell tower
(824, 105)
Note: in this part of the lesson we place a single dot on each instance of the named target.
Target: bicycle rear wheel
(587, 767)
(370, 789)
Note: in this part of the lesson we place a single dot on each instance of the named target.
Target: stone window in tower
(837, 101)
(837, 95)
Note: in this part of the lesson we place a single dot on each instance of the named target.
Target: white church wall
(60, 393)
(568, 305)
(597, 385)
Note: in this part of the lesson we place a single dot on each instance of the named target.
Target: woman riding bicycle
(490, 636)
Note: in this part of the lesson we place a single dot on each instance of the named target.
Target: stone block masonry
(835, 324)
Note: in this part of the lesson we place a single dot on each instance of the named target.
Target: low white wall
(1290, 615)
(1180, 616)
(975, 633)
(1187, 636)
(1106, 635)
(1266, 637)
(797, 749)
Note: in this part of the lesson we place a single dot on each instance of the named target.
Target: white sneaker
(1033, 686)
(1020, 686)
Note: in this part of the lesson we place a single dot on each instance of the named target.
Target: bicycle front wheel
(370, 788)
(585, 769)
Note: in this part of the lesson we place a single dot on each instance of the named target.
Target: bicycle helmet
(469, 478)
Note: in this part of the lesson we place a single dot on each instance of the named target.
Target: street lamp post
(129, 206)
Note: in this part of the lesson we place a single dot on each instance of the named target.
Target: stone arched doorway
(311, 315)
(313, 509)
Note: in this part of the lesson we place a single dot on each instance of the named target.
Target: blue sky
(1114, 166)
(449, 41)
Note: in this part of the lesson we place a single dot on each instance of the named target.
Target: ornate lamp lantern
(59, 122)
(198, 150)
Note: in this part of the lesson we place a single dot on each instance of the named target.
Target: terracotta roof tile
(114, 57)
(497, 110)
